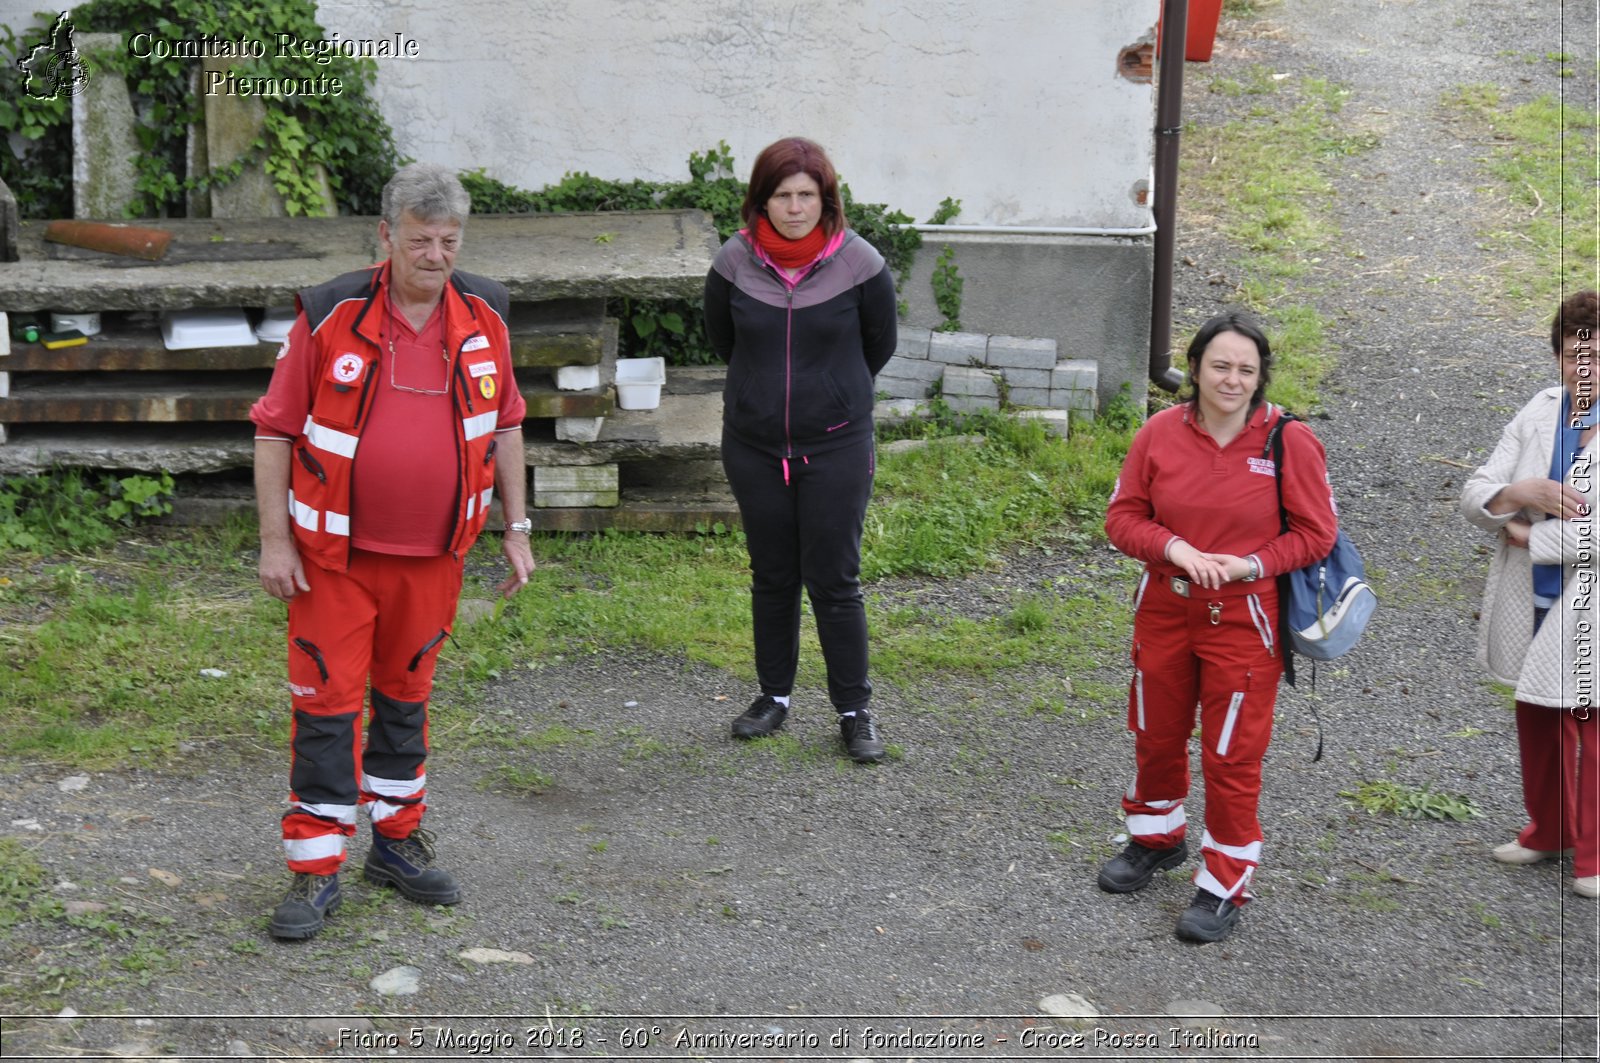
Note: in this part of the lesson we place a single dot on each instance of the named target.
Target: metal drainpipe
(1169, 124)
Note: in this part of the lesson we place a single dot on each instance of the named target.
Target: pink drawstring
(806, 459)
(786, 472)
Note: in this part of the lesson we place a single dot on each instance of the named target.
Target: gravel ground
(767, 890)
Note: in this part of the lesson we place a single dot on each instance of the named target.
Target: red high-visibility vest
(344, 318)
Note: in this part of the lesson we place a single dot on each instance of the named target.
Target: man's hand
(519, 555)
(282, 574)
(1517, 532)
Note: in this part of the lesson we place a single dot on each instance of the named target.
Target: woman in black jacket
(803, 311)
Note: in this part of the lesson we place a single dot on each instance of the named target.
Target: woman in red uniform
(1197, 502)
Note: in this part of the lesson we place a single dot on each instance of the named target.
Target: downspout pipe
(1169, 124)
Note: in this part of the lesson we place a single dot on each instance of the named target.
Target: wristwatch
(524, 526)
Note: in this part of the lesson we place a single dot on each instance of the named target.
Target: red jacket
(344, 325)
(1176, 482)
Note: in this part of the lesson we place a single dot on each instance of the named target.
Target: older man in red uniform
(391, 419)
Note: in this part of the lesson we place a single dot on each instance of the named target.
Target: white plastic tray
(183, 330)
(275, 324)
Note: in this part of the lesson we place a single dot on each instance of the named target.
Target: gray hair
(430, 192)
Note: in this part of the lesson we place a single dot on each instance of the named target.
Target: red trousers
(1217, 650)
(1561, 783)
(383, 620)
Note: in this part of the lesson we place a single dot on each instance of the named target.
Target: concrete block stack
(1026, 364)
(567, 486)
(975, 370)
(969, 389)
(910, 374)
(1073, 384)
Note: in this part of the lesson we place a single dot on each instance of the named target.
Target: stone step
(174, 398)
(543, 335)
(262, 262)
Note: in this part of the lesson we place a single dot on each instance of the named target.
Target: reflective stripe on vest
(333, 441)
(303, 514)
(481, 424)
(480, 503)
(307, 518)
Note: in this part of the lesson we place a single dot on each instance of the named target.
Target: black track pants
(802, 522)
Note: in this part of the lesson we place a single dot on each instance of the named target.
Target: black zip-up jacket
(801, 360)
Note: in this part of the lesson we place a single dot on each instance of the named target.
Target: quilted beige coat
(1558, 667)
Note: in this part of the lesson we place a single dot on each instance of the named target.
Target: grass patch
(1071, 635)
(952, 507)
(518, 779)
(1263, 181)
(21, 882)
(1545, 172)
(106, 655)
(1411, 802)
(1257, 80)
(1247, 8)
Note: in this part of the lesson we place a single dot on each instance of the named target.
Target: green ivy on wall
(675, 328)
(345, 134)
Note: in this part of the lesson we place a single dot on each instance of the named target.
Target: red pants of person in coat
(1216, 649)
(384, 620)
(1561, 783)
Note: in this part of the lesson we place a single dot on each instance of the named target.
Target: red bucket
(1202, 35)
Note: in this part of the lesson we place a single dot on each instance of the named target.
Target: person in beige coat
(1540, 631)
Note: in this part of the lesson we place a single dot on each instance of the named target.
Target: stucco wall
(1016, 108)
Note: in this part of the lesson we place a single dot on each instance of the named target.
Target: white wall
(1015, 107)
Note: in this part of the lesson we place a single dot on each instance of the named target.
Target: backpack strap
(1274, 450)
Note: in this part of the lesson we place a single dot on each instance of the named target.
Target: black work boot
(1208, 918)
(762, 718)
(299, 914)
(407, 865)
(859, 732)
(1134, 867)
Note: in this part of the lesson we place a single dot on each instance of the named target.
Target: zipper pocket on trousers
(415, 661)
(309, 648)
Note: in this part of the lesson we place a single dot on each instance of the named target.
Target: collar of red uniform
(458, 320)
(1261, 416)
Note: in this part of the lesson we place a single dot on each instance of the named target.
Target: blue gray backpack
(1324, 607)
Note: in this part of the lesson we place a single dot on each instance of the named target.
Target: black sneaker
(300, 913)
(1136, 865)
(762, 718)
(859, 731)
(407, 865)
(1208, 918)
